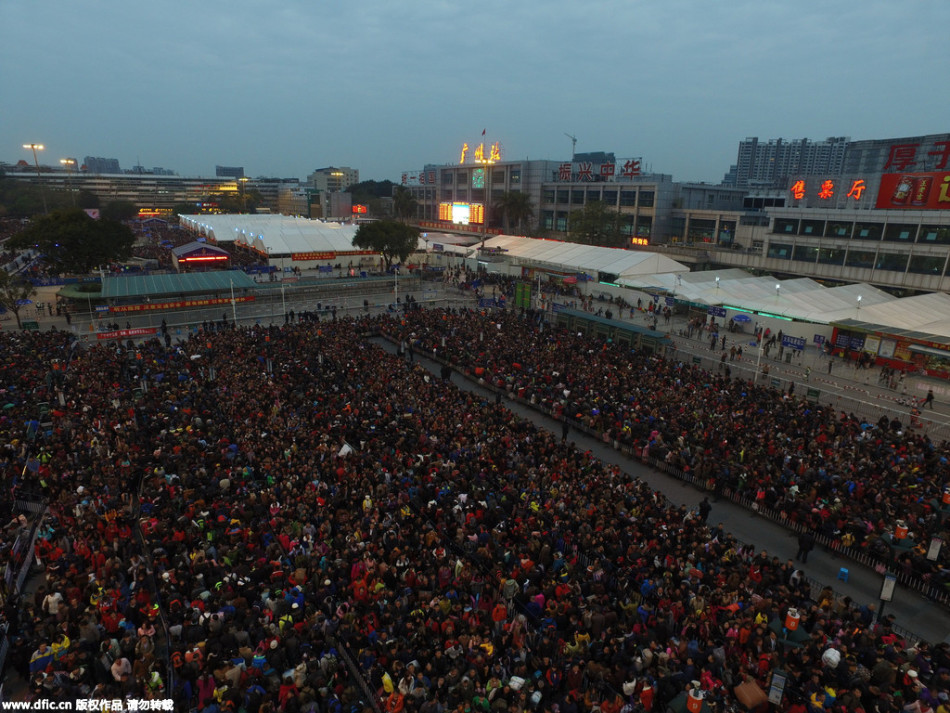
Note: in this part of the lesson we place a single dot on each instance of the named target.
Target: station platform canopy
(215, 282)
(274, 235)
(579, 258)
(800, 299)
(856, 306)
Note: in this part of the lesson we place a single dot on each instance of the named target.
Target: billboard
(914, 191)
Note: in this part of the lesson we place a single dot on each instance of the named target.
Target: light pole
(859, 306)
(69, 163)
(243, 180)
(36, 162)
(233, 305)
(758, 361)
(486, 163)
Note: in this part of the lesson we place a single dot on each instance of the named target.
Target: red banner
(914, 191)
(123, 333)
(153, 306)
(329, 255)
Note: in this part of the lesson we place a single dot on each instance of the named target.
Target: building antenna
(573, 144)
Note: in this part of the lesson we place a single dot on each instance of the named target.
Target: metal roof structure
(214, 282)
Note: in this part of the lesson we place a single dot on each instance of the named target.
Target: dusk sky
(282, 88)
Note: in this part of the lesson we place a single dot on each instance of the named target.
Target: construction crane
(573, 144)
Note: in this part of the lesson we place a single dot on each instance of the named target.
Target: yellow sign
(478, 156)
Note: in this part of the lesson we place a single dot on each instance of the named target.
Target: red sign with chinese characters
(914, 191)
(153, 306)
(125, 333)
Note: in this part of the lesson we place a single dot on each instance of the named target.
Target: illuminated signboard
(478, 154)
(639, 241)
(477, 213)
(462, 213)
(602, 172)
(901, 157)
(359, 208)
(827, 189)
(914, 191)
(202, 258)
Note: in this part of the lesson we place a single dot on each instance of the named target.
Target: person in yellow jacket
(60, 647)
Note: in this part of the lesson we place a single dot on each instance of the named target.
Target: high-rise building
(95, 164)
(771, 163)
(332, 179)
(229, 171)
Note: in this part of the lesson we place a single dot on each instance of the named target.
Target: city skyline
(387, 89)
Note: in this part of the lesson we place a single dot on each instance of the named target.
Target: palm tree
(515, 207)
(404, 205)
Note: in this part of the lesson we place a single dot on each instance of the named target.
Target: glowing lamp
(792, 618)
(900, 530)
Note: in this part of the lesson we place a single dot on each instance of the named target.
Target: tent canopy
(575, 257)
(274, 234)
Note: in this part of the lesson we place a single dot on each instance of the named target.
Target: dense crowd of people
(832, 472)
(239, 518)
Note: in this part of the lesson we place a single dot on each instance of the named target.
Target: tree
(514, 207)
(87, 199)
(595, 224)
(71, 241)
(389, 238)
(404, 205)
(14, 293)
(119, 210)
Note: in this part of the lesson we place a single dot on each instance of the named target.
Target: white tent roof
(801, 299)
(925, 317)
(585, 258)
(274, 234)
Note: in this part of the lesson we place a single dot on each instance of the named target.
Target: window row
(612, 197)
(850, 257)
(641, 226)
(890, 232)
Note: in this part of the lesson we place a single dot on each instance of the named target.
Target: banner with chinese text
(914, 191)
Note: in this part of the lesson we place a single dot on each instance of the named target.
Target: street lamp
(717, 282)
(859, 305)
(233, 305)
(486, 162)
(69, 163)
(243, 180)
(36, 162)
(778, 289)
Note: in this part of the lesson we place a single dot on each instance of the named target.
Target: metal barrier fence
(163, 646)
(897, 406)
(38, 510)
